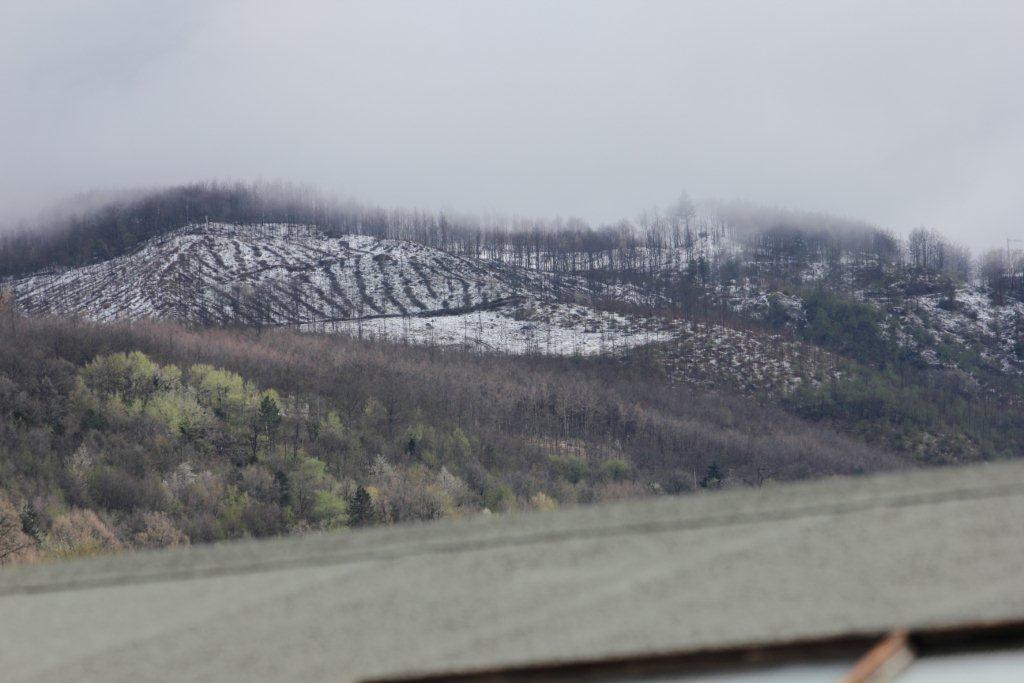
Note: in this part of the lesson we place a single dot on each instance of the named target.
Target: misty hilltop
(710, 282)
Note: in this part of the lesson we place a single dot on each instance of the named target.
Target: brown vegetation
(151, 435)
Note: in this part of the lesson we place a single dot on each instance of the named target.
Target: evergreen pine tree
(712, 478)
(361, 509)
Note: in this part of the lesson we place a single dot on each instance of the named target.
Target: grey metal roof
(787, 562)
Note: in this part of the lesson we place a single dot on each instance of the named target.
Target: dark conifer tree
(361, 509)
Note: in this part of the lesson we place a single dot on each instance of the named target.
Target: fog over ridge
(899, 115)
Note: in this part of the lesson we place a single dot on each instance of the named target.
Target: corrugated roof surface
(797, 561)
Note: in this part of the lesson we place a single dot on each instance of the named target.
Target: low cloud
(898, 114)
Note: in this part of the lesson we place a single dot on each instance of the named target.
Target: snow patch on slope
(555, 328)
(973, 321)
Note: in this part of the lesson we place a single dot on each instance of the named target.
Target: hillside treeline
(151, 434)
(671, 251)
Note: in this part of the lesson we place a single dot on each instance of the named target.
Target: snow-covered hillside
(281, 274)
(294, 275)
(970, 320)
(533, 326)
(275, 274)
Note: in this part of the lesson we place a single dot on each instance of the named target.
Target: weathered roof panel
(779, 563)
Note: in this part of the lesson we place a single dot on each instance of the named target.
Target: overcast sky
(900, 113)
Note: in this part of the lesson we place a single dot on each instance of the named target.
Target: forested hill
(776, 303)
(714, 275)
(118, 227)
(215, 361)
(150, 434)
(666, 249)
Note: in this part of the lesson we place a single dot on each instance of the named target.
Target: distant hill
(909, 345)
(149, 434)
(722, 344)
